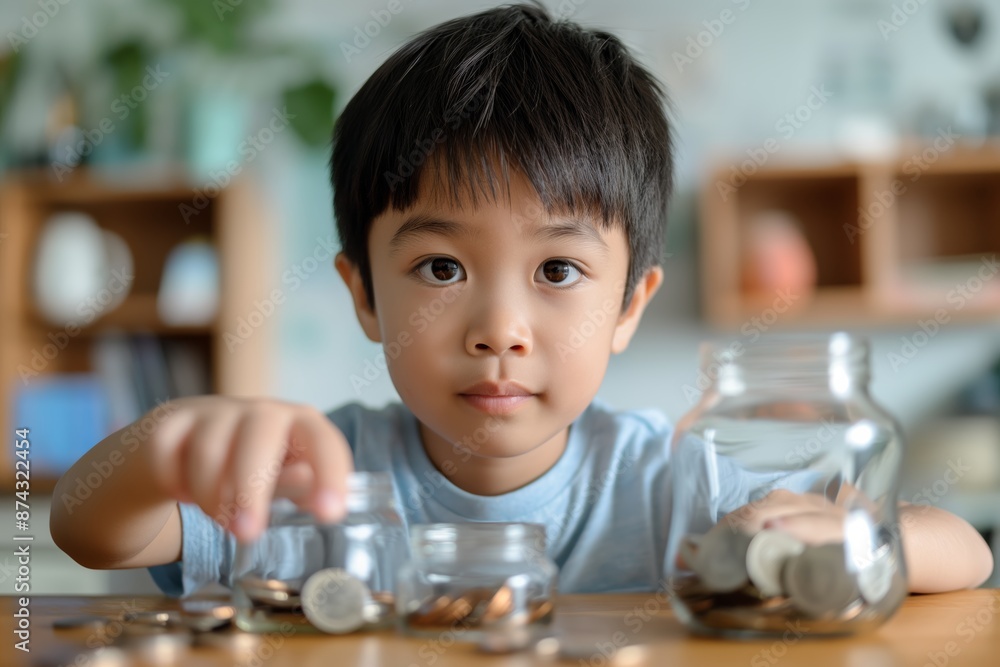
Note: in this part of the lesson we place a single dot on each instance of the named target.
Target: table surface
(961, 628)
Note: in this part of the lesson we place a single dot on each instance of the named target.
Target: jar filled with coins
(324, 577)
(784, 493)
(477, 579)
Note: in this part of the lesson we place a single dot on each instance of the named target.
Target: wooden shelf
(888, 238)
(146, 211)
(138, 314)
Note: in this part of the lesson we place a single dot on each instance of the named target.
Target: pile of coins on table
(330, 600)
(479, 607)
(761, 582)
(167, 634)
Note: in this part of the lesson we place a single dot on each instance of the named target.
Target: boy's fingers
(811, 527)
(324, 447)
(166, 451)
(209, 447)
(254, 466)
(295, 483)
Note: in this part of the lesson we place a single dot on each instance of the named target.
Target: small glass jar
(324, 577)
(474, 579)
(786, 425)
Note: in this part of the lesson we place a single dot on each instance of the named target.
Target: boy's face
(498, 294)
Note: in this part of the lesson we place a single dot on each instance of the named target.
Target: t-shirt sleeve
(206, 557)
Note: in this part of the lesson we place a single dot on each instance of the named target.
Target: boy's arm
(213, 451)
(124, 520)
(942, 551)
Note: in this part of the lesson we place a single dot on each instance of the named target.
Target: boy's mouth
(497, 398)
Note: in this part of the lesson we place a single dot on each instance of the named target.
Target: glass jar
(473, 579)
(786, 427)
(324, 577)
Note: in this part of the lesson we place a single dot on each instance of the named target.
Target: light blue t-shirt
(606, 503)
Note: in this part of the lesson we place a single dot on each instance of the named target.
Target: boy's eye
(441, 271)
(560, 272)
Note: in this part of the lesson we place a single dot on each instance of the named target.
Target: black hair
(510, 87)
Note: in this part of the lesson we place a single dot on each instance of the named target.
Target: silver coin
(205, 615)
(273, 592)
(817, 580)
(721, 560)
(766, 555)
(875, 576)
(334, 601)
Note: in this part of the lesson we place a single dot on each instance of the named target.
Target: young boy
(500, 188)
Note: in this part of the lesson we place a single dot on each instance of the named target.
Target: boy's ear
(628, 321)
(352, 278)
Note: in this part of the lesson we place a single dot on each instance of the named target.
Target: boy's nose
(499, 328)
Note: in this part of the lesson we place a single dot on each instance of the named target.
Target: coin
(540, 609)
(499, 605)
(766, 555)
(817, 580)
(721, 560)
(273, 592)
(875, 577)
(205, 615)
(334, 601)
(150, 618)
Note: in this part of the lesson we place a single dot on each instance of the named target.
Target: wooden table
(952, 629)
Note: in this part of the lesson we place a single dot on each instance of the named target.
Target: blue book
(67, 415)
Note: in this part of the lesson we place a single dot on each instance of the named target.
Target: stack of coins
(330, 600)
(479, 608)
(760, 582)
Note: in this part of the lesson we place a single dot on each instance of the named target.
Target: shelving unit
(147, 214)
(892, 240)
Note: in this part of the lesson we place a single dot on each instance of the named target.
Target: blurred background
(166, 224)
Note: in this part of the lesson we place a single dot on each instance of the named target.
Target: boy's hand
(809, 517)
(230, 454)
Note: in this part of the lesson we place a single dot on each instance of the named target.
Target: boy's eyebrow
(420, 224)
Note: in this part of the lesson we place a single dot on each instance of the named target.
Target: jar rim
(797, 347)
